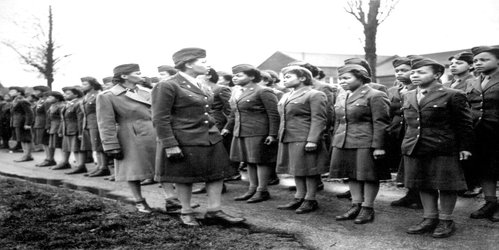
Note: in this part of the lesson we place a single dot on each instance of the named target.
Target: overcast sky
(100, 34)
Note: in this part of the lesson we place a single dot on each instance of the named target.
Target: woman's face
(423, 76)
(291, 80)
(86, 86)
(241, 79)
(7, 97)
(403, 72)
(200, 66)
(69, 95)
(349, 82)
(485, 62)
(458, 67)
(13, 93)
(51, 99)
(134, 77)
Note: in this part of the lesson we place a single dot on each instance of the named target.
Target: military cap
(463, 56)
(187, 54)
(41, 88)
(87, 79)
(296, 67)
(480, 49)
(401, 60)
(75, 91)
(242, 67)
(359, 61)
(274, 75)
(350, 67)
(126, 69)
(56, 94)
(166, 68)
(420, 62)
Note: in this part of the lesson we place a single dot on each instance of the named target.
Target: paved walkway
(318, 229)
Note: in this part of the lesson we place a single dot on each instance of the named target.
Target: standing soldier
(89, 129)
(438, 135)
(21, 121)
(395, 131)
(40, 134)
(5, 130)
(484, 100)
(54, 120)
(126, 130)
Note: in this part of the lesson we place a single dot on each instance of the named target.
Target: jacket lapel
(493, 81)
(248, 91)
(411, 97)
(297, 95)
(432, 95)
(187, 85)
(118, 89)
(358, 94)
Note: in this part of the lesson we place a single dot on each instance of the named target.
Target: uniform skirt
(22, 135)
(294, 160)
(55, 141)
(95, 140)
(252, 150)
(40, 136)
(71, 143)
(433, 172)
(86, 142)
(199, 164)
(357, 164)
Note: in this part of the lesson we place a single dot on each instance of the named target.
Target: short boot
(245, 196)
(445, 229)
(366, 215)
(425, 226)
(259, 196)
(486, 211)
(351, 213)
(78, 170)
(307, 206)
(293, 205)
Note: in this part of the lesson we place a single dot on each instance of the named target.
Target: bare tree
(377, 12)
(40, 56)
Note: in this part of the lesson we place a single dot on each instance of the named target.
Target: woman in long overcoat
(360, 120)
(483, 96)
(254, 123)
(126, 130)
(190, 147)
(438, 135)
(302, 149)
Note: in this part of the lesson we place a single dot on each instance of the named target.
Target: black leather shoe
(425, 226)
(345, 195)
(293, 205)
(485, 212)
(444, 229)
(173, 206)
(350, 214)
(46, 163)
(366, 215)
(495, 216)
(147, 182)
(91, 172)
(189, 220)
(320, 187)
(78, 170)
(245, 196)
(259, 197)
(221, 217)
(307, 206)
(61, 166)
(100, 172)
(23, 159)
(201, 190)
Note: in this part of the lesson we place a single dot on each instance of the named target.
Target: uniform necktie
(421, 94)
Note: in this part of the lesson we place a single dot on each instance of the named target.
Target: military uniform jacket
(331, 93)
(220, 109)
(303, 116)
(5, 108)
(40, 110)
(378, 86)
(362, 119)
(88, 106)
(181, 113)
(463, 84)
(71, 117)
(395, 129)
(21, 113)
(254, 113)
(485, 110)
(55, 117)
(439, 125)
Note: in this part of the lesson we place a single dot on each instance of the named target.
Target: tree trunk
(49, 70)
(370, 31)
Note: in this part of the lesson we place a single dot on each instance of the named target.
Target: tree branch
(386, 10)
(355, 9)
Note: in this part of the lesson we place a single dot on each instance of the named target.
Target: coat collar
(494, 79)
(248, 90)
(142, 95)
(358, 93)
(297, 94)
(188, 85)
(433, 93)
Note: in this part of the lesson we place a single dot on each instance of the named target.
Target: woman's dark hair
(266, 77)
(117, 79)
(321, 74)
(181, 67)
(213, 75)
(93, 82)
(274, 75)
(227, 78)
(301, 73)
(313, 69)
(436, 69)
(360, 76)
(253, 73)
